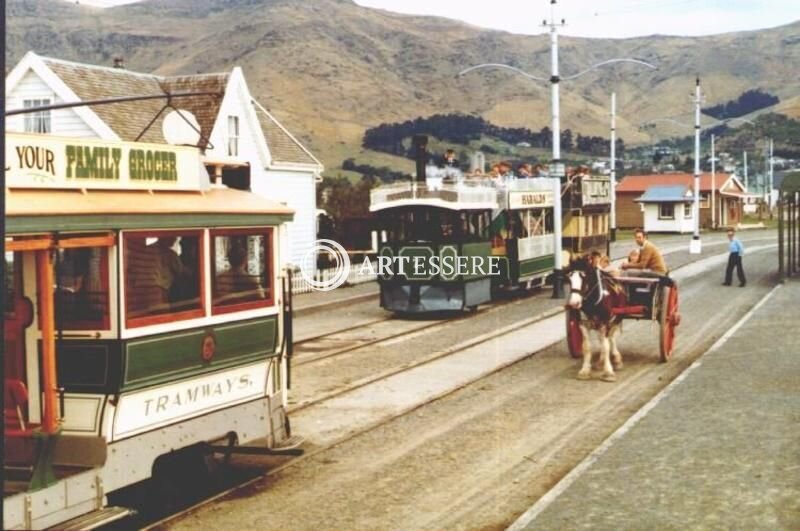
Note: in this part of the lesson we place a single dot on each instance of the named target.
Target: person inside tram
(186, 285)
(236, 282)
(72, 277)
(169, 269)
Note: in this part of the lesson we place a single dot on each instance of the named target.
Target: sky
(597, 18)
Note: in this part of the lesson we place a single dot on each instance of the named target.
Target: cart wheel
(574, 334)
(668, 319)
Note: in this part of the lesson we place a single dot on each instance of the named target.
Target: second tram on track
(144, 319)
(508, 224)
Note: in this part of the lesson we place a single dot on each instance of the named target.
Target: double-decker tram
(586, 207)
(451, 245)
(144, 318)
(498, 232)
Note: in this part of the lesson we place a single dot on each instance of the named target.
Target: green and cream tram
(450, 245)
(144, 316)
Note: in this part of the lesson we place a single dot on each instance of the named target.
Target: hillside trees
(749, 101)
(462, 129)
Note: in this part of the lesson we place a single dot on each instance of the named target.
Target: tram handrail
(463, 192)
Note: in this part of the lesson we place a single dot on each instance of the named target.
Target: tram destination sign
(532, 199)
(46, 161)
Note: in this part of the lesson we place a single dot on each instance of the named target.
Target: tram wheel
(669, 318)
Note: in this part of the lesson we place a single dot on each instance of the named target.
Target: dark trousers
(734, 260)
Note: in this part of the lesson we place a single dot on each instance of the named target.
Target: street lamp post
(613, 173)
(713, 184)
(695, 246)
(557, 168)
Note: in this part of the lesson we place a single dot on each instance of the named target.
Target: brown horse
(596, 294)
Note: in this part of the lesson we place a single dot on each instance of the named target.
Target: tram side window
(82, 294)
(535, 223)
(474, 225)
(241, 269)
(162, 277)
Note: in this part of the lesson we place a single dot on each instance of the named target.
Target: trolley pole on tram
(695, 246)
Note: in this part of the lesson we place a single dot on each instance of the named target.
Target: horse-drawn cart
(651, 298)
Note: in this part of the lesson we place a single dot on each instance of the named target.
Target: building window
(687, 210)
(82, 298)
(666, 211)
(39, 121)
(233, 136)
(705, 201)
(163, 277)
(241, 269)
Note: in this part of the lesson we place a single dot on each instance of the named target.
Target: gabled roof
(640, 183)
(131, 121)
(666, 194)
(140, 120)
(284, 148)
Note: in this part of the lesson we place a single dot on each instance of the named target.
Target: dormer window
(233, 136)
(37, 122)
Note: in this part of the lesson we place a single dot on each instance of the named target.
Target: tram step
(295, 441)
(96, 519)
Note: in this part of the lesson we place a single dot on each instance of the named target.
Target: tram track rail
(554, 446)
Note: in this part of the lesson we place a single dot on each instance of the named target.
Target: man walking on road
(734, 260)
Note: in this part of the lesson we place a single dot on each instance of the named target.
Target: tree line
(747, 102)
(462, 129)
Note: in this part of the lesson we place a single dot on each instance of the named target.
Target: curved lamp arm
(500, 65)
(609, 62)
(537, 78)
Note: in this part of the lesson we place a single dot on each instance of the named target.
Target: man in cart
(650, 257)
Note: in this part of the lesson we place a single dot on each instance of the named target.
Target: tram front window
(423, 225)
(162, 276)
(82, 300)
(240, 269)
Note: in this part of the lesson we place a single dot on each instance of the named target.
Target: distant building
(667, 208)
(728, 194)
(242, 142)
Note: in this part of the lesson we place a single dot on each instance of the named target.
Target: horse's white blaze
(576, 283)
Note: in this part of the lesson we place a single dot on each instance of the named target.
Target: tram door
(18, 315)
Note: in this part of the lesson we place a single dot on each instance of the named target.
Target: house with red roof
(666, 205)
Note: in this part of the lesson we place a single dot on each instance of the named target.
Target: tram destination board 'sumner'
(35, 161)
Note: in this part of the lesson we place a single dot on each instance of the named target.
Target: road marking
(536, 509)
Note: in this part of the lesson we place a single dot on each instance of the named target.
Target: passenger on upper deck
(524, 171)
(449, 160)
(650, 257)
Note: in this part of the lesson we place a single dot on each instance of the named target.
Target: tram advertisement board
(532, 199)
(47, 161)
(148, 409)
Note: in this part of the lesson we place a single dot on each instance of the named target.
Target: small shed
(667, 208)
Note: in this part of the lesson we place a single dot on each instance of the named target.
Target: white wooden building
(243, 143)
(668, 208)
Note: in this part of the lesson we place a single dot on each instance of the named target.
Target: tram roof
(47, 210)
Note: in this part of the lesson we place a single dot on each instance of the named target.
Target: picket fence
(301, 285)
